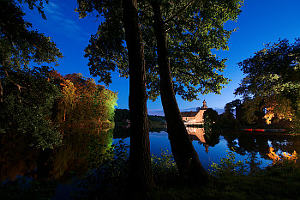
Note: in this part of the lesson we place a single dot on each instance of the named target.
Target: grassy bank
(273, 183)
(229, 180)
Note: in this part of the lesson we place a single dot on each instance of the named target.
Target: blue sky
(261, 22)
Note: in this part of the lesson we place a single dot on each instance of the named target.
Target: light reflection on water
(82, 151)
(256, 149)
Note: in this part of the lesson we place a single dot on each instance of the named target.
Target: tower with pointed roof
(194, 117)
(204, 106)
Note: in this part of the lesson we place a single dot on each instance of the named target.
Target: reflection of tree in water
(121, 132)
(250, 144)
(16, 158)
(207, 140)
(82, 149)
(212, 139)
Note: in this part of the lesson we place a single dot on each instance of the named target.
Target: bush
(164, 167)
(228, 166)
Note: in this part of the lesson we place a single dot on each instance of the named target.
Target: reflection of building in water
(199, 134)
(194, 117)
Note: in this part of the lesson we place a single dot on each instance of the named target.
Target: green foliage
(163, 166)
(99, 148)
(198, 28)
(82, 150)
(110, 179)
(27, 111)
(230, 182)
(84, 102)
(117, 165)
(228, 119)
(25, 108)
(210, 118)
(211, 127)
(228, 166)
(272, 83)
(264, 186)
(19, 44)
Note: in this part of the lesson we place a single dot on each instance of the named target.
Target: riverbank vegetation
(39, 116)
(57, 129)
(270, 91)
(231, 179)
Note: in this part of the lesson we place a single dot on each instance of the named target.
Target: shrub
(228, 166)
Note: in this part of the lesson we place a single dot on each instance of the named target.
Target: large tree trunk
(1, 92)
(139, 161)
(185, 156)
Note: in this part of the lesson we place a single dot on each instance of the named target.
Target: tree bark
(185, 156)
(1, 92)
(140, 172)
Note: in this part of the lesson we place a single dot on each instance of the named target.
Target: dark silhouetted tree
(185, 36)
(193, 67)
(121, 19)
(24, 107)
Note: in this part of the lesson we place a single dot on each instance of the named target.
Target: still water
(82, 151)
(251, 148)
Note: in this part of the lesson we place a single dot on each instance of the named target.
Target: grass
(273, 183)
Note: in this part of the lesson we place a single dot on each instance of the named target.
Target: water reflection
(244, 143)
(82, 149)
(16, 158)
(212, 147)
(197, 132)
(207, 140)
(257, 147)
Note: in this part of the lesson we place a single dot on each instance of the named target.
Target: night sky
(261, 22)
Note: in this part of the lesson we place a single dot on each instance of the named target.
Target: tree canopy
(25, 108)
(28, 113)
(194, 68)
(194, 28)
(272, 83)
(82, 100)
(20, 43)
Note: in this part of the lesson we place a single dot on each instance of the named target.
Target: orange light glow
(270, 114)
(284, 156)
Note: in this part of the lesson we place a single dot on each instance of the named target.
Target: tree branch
(16, 84)
(172, 18)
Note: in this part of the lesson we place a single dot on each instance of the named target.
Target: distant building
(194, 117)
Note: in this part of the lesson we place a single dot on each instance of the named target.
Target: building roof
(189, 114)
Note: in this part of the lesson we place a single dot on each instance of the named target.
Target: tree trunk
(1, 92)
(140, 172)
(185, 156)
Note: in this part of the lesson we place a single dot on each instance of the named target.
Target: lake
(82, 151)
(246, 146)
